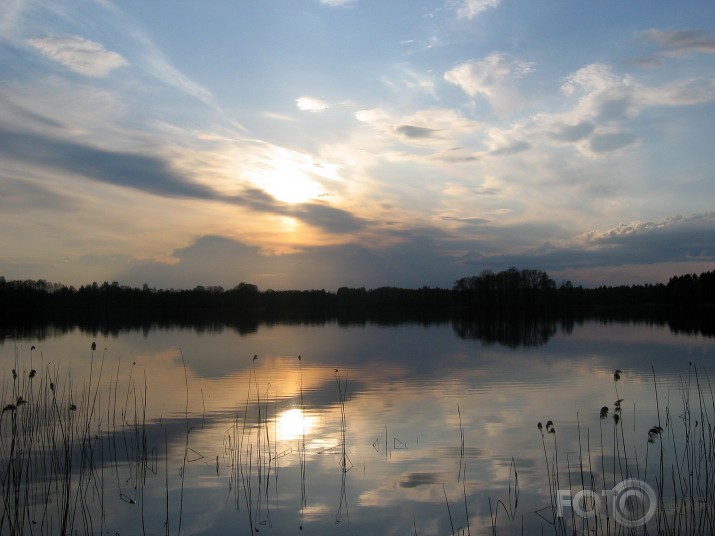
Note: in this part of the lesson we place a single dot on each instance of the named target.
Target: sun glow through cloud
(288, 178)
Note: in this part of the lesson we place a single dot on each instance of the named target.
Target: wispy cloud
(153, 60)
(311, 104)
(485, 76)
(10, 15)
(492, 78)
(434, 137)
(432, 126)
(469, 9)
(680, 42)
(79, 54)
(608, 142)
(336, 3)
(680, 93)
(669, 44)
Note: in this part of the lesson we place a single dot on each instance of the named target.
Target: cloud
(677, 239)
(336, 3)
(679, 42)
(19, 194)
(432, 126)
(429, 256)
(412, 81)
(513, 147)
(469, 9)
(15, 112)
(122, 168)
(485, 76)
(605, 143)
(593, 77)
(92, 59)
(604, 105)
(456, 155)
(491, 78)
(10, 16)
(680, 93)
(413, 480)
(573, 133)
(411, 131)
(470, 222)
(413, 259)
(310, 104)
(605, 94)
(80, 55)
(154, 175)
(151, 58)
(325, 217)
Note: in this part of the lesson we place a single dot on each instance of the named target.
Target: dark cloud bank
(426, 257)
(154, 175)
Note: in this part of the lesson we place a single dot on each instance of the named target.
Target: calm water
(403, 429)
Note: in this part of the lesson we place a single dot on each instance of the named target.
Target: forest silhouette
(508, 290)
(512, 307)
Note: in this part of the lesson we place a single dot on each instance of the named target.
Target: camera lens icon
(632, 502)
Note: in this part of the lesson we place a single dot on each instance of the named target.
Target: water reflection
(377, 428)
(513, 331)
(510, 329)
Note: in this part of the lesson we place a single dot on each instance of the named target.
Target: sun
(289, 177)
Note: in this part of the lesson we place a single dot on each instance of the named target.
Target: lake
(363, 428)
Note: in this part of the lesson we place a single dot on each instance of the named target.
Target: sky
(313, 144)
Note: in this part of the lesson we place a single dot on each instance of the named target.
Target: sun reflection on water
(293, 423)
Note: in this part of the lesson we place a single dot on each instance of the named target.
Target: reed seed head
(655, 431)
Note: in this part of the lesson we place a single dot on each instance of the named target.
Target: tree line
(507, 290)
(530, 288)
